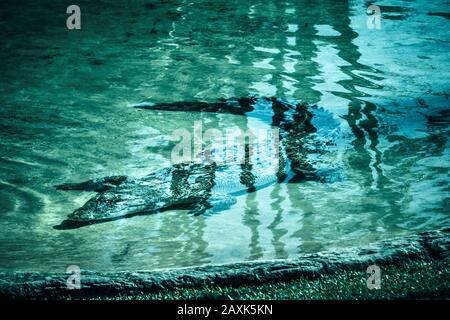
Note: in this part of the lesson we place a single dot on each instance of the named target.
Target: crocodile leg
(199, 209)
(217, 202)
(97, 185)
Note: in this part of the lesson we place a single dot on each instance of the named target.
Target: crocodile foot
(215, 203)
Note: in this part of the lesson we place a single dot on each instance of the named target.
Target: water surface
(65, 115)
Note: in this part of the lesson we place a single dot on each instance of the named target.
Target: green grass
(415, 280)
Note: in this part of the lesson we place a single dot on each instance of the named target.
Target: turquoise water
(66, 115)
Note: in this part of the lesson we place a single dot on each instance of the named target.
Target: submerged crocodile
(305, 135)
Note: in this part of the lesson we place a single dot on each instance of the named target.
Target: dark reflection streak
(349, 52)
(371, 128)
(278, 233)
(252, 222)
(278, 118)
(305, 72)
(250, 219)
(279, 113)
(364, 130)
(336, 14)
(192, 245)
(247, 178)
(251, 212)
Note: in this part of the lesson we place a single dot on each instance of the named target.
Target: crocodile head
(177, 187)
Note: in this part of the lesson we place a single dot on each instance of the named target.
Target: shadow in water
(72, 224)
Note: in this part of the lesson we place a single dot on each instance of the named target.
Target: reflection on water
(65, 116)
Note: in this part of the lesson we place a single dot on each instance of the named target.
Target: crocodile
(306, 133)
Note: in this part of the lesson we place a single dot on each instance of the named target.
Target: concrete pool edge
(424, 246)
